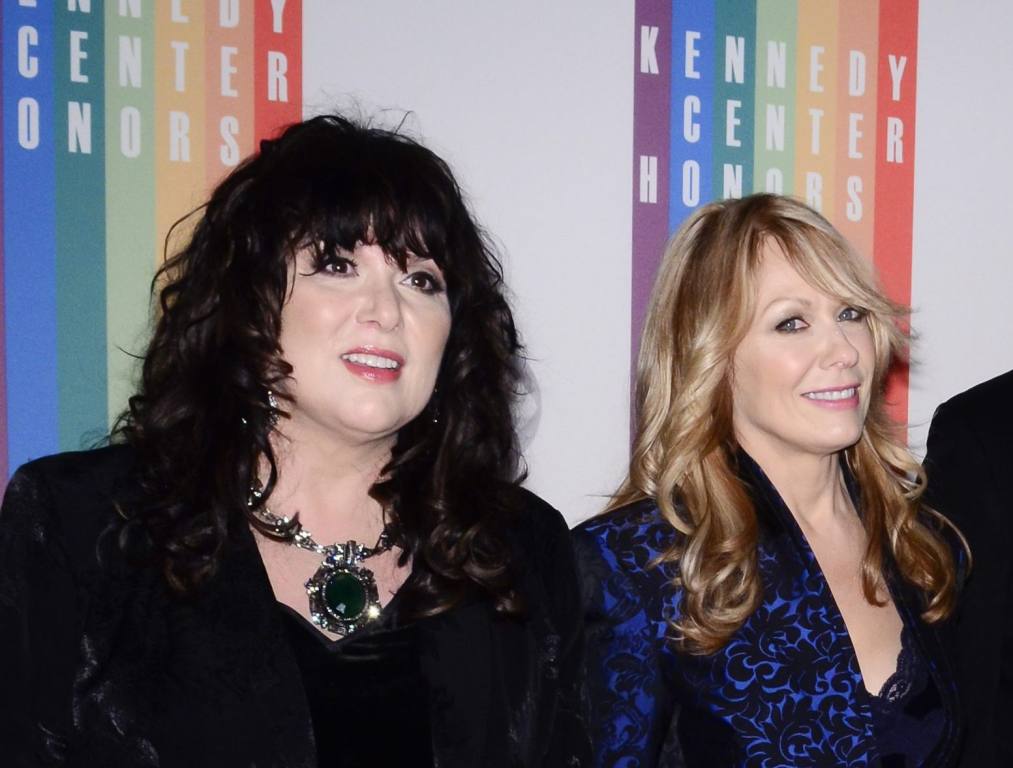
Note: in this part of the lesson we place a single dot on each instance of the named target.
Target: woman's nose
(380, 304)
(840, 350)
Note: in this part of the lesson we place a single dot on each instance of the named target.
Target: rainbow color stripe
(117, 118)
(813, 98)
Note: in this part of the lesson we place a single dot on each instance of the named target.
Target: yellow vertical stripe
(179, 115)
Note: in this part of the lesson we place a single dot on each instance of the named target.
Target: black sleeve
(955, 466)
(570, 742)
(38, 628)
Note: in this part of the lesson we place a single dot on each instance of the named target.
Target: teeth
(840, 394)
(372, 361)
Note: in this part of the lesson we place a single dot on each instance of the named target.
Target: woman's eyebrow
(794, 299)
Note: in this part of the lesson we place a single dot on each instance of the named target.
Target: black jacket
(100, 664)
(970, 475)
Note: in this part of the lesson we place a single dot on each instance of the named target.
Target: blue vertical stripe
(691, 156)
(3, 350)
(29, 239)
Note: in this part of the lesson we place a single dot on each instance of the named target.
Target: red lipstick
(373, 364)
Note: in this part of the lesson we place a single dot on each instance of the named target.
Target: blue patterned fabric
(785, 691)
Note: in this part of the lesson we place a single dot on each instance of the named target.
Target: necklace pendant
(342, 593)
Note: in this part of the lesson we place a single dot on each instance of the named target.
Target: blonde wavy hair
(684, 452)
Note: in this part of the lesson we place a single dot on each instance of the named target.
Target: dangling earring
(434, 407)
(272, 403)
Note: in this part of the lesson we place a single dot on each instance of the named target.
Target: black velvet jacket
(100, 664)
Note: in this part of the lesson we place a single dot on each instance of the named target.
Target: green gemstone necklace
(342, 593)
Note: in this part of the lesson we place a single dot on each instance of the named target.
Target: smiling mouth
(371, 361)
(832, 395)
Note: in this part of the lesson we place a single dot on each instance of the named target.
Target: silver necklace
(342, 593)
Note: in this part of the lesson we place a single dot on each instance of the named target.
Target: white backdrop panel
(962, 280)
(532, 105)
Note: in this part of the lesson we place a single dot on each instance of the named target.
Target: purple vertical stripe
(651, 82)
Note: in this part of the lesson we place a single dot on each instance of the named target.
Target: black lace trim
(899, 685)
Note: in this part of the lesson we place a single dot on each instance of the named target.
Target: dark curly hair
(200, 422)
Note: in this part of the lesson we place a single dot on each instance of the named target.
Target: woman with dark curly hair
(766, 588)
(307, 543)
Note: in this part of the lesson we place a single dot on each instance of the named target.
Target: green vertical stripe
(776, 26)
(735, 32)
(79, 142)
(129, 195)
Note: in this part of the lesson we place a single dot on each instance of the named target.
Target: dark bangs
(368, 186)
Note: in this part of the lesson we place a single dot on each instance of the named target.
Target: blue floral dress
(786, 690)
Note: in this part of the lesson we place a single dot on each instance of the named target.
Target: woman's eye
(851, 314)
(338, 265)
(791, 325)
(424, 281)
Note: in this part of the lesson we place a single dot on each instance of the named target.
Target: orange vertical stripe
(816, 84)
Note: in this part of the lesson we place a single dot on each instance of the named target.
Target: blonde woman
(765, 588)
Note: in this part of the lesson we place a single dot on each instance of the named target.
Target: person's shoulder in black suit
(969, 465)
(988, 405)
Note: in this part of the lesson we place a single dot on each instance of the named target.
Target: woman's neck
(328, 484)
(811, 486)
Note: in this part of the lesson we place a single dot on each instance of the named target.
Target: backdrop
(583, 132)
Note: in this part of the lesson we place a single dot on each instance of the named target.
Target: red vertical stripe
(895, 155)
(278, 65)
